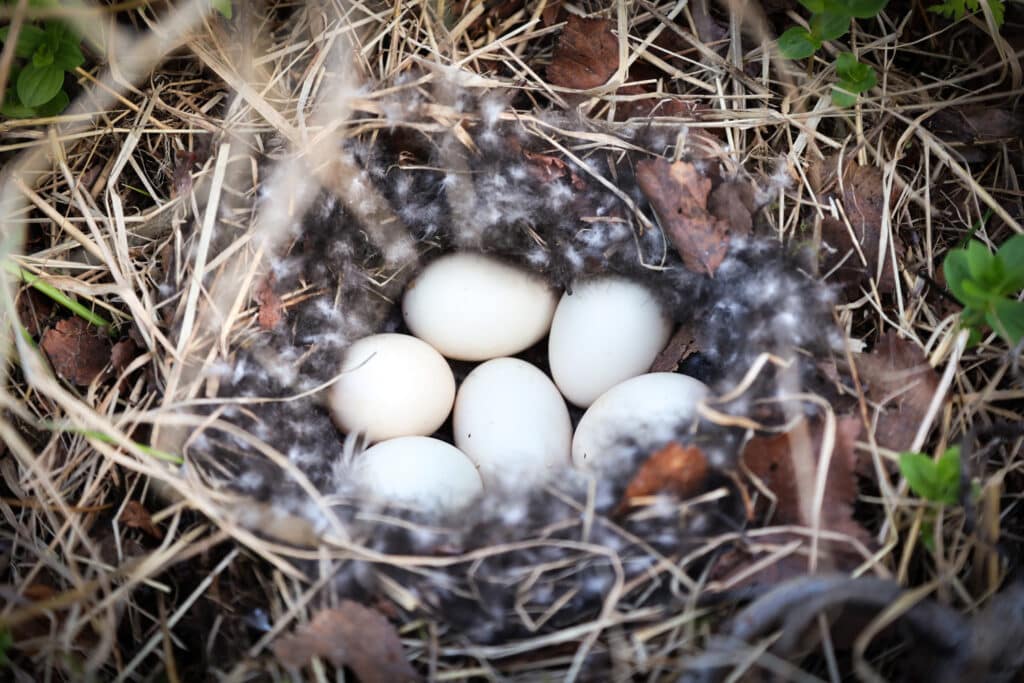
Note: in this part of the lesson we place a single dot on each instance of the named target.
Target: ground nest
(230, 202)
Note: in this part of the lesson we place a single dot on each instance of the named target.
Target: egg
(392, 385)
(645, 412)
(472, 307)
(607, 330)
(511, 421)
(419, 472)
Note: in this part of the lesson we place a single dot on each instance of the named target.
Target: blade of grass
(60, 297)
(106, 438)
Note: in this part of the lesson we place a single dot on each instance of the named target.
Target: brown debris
(136, 516)
(771, 459)
(863, 202)
(350, 635)
(35, 310)
(587, 54)
(77, 351)
(676, 469)
(122, 354)
(271, 309)
(681, 346)
(897, 378)
(679, 195)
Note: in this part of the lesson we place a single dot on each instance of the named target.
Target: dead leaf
(677, 469)
(34, 310)
(271, 309)
(679, 195)
(122, 354)
(977, 124)
(77, 351)
(863, 202)
(546, 169)
(897, 378)
(136, 516)
(586, 56)
(772, 459)
(350, 635)
(733, 202)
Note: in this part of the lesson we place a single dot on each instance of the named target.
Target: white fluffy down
(472, 307)
(392, 385)
(608, 330)
(419, 472)
(647, 410)
(511, 420)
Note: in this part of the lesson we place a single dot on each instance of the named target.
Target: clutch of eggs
(511, 424)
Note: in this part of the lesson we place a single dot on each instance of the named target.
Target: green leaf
(1011, 257)
(29, 39)
(979, 260)
(14, 109)
(814, 6)
(797, 43)
(68, 56)
(957, 9)
(1007, 319)
(829, 25)
(843, 95)
(977, 295)
(55, 106)
(863, 9)
(38, 85)
(920, 472)
(954, 267)
(222, 6)
(43, 56)
(947, 472)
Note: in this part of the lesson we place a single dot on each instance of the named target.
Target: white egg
(608, 330)
(392, 385)
(512, 422)
(472, 307)
(418, 472)
(644, 411)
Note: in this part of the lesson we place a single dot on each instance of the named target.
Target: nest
(298, 166)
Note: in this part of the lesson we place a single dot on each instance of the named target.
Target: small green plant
(985, 284)
(830, 19)
(934, 480)
(223, 7)
(956, 9)
(937, 481)
(44, 55)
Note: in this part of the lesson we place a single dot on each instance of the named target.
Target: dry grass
(100, 192)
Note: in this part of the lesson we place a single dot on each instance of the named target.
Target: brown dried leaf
(586, 56)
(772, 460)
(733, 202)
(350, 635)
(863, 202)
(897, 378)
(123, 353)
(679, 195)
(977, 123)
(135, 516)
(271, 309)
(34, 310)
(77, 351)
(677, 469)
